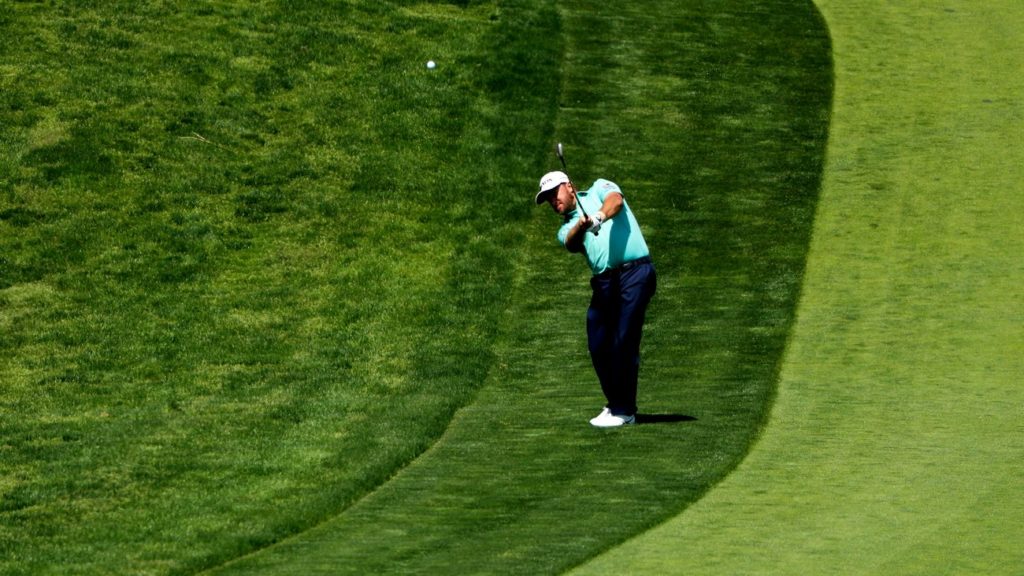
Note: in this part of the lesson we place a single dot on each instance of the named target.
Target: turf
(238, 243)
(895, 443)
(264, 279)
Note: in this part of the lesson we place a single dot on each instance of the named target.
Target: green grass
(244, 276)
(895, 443)
(255, 260)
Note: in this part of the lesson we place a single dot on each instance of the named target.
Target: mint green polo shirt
(619, 240)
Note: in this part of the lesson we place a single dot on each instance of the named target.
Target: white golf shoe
(608, 420)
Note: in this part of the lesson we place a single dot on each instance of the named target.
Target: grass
(224, 290)
(264, 279)
(895, 443)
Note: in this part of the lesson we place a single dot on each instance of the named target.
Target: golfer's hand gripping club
(596, 221)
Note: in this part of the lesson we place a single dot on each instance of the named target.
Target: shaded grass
(894, 445)
(713, 119)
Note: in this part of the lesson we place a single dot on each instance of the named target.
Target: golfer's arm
(612, 205)
(574, 241)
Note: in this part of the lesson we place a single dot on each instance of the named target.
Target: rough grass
(243, 272)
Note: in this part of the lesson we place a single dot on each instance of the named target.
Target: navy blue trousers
(615, 323)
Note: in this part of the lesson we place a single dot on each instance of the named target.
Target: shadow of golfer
(663, 418)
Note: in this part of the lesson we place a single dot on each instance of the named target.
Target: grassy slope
(243, 272)
(713, 120)
(896, 440)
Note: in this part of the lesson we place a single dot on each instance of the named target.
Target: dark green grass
(713, 119)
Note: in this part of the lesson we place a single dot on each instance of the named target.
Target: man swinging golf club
(599, 224)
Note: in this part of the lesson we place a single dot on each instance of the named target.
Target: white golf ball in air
(431, 64)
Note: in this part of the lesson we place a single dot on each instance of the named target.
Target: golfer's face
(562, 200)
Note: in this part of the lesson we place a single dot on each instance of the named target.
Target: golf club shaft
(561, 157)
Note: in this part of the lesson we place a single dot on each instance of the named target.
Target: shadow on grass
(663, 418)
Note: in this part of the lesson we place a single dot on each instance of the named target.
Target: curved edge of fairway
(895, 442)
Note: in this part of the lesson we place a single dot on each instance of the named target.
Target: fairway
(895, 444)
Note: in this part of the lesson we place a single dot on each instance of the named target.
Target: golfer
(623, 282)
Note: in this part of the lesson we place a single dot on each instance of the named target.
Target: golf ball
(431, 64)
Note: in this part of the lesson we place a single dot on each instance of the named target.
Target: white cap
(549, 182)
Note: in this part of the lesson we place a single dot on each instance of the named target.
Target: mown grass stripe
(895, 443)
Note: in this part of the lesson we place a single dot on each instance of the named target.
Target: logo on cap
(549, 182)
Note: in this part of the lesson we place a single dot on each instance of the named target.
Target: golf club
(561, 157)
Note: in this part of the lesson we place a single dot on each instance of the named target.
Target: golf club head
(561, 157)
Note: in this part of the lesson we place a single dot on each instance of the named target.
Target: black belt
(626, 266)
